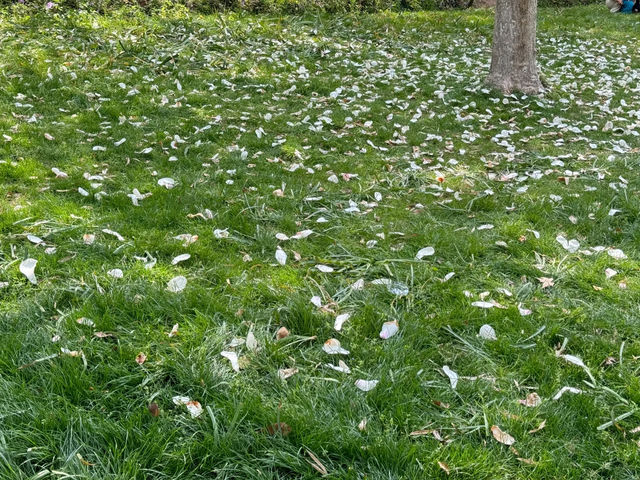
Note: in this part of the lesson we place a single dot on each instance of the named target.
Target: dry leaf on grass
(141, 358)
(502, 437)
(285, 373)
(532, 400)
(153, 409)
(317, 464)
(444, 467)
(282, 333)
(279, 428)
(539, 427)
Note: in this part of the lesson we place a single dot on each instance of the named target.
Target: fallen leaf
(571, 246)
(193, 407)
(167, 183)
(444, 467)
(532, 400)
(153, 409)
(279, 428)
(502, 437)
(251, 342)
(317, 464)
(282, 333)
(141, 358)
(539, 427)
(341, 367)
(546, 282)
(325, 268)
(285, 373)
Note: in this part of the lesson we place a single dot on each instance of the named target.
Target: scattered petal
(180, 258)
(339, 321)
(487, 333)
(453, 376)
(616, 253)
(366, 385)
(389, 329)
(115, 273)
(167, 183)
(28, 268)
(177, 284)
(233, 358)
(564, 390)
(332, 347)
(281, 256)
(425, 252)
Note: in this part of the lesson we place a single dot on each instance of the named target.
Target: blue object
(627, 6)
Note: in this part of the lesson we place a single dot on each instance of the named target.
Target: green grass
(412, 85)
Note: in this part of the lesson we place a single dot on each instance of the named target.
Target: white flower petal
(366, 385)
(453, 376)
(177, 284)
(389, 329)
(425, 252)
(28, 268)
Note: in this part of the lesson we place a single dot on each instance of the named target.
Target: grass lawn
(137, 153)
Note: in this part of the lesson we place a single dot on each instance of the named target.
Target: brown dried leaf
(502, 437)
(546, 282)
(420, 433)
(154, 410)
(444, 467)
(317, 464)
(539, 427)
(532, 400)
(282, 333)
(278, 428)
(285, 373)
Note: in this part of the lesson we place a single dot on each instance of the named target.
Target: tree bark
(513, 58)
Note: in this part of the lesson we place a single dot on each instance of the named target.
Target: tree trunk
(513, 59)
